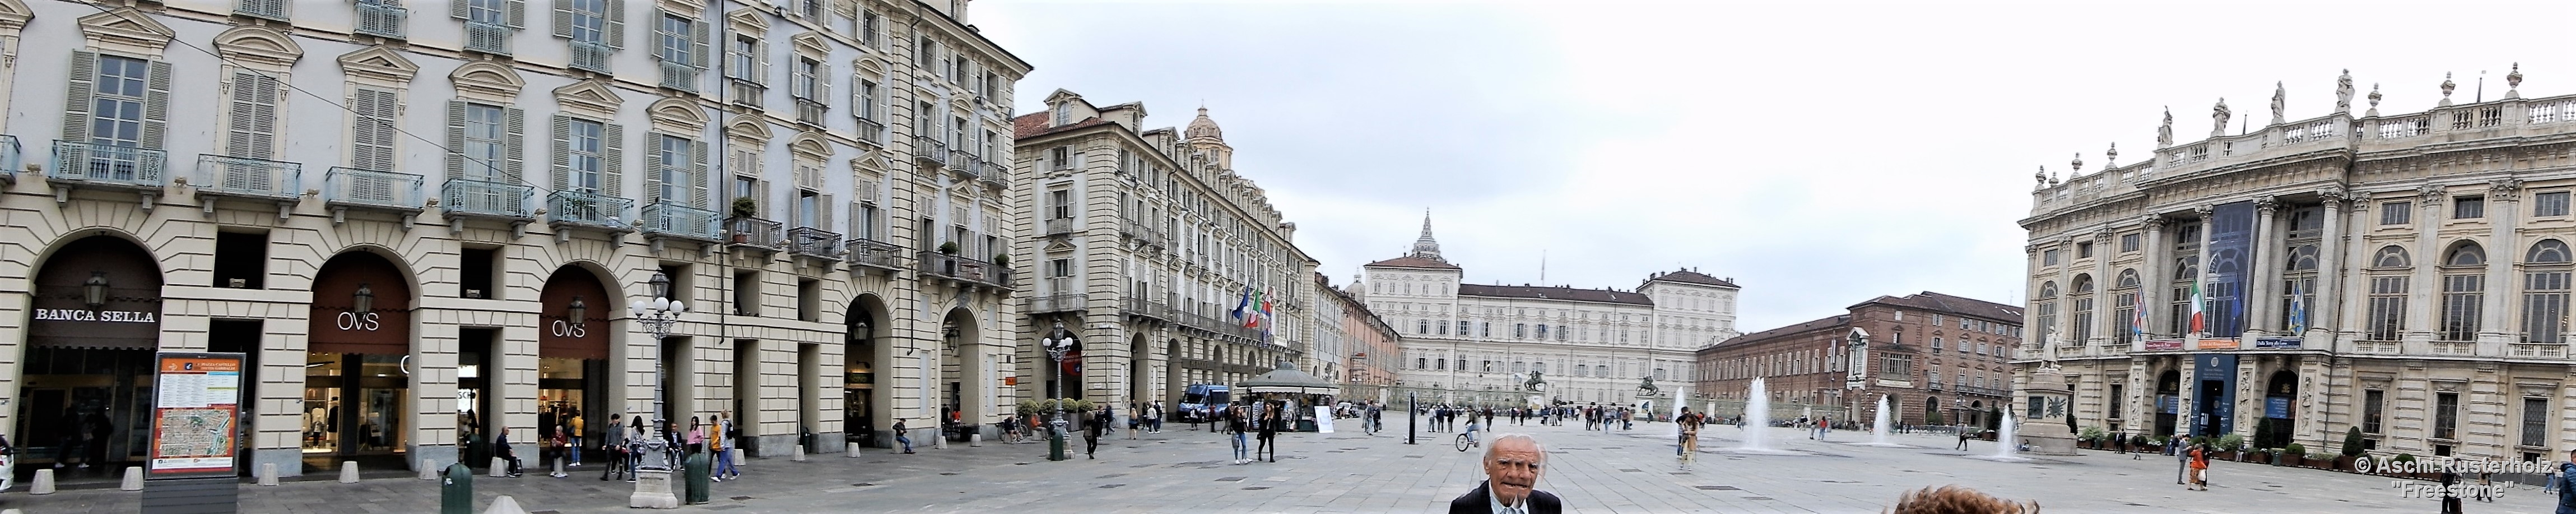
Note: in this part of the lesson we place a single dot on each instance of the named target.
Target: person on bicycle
(1471, 430)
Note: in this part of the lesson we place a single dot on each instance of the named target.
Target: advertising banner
(2224, 343)
(2163, 344)
(198, 401)
(2277, 343)
(2214, 407)
(2231, 238)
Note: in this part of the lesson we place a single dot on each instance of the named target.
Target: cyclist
(1471, 431)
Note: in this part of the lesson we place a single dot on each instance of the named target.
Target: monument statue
(2343, 93)
(2218, 117)
(2048, 352)
(2279, 102)
(1648, 386)
(2164, 133)
(1535, 384)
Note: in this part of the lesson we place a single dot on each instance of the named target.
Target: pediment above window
(748, 130)
(677, 116)
(260, 47)
(14, 15)
(487, 82)
(589, 98)
(125, 31)
(379, 64)
(748, 21)
(811, 44)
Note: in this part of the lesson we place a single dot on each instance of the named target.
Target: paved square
(1184, 471)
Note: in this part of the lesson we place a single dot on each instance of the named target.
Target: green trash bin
(698, 483)
(456, 490)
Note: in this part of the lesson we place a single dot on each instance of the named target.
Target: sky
(1818, 154)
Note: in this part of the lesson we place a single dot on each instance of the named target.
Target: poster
(1323, 420)
(2163, 344)
(198, 401)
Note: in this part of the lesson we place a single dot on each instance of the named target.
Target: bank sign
(87, 315)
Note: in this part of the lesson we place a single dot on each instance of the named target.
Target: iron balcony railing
(927, 149)
(381, 18)
(371, 188)
(997, 174)
(1061, 302)
(240, 176)
(589, 209)
(871, 132)
(875, 253)
(810, 111)
(270, 9)
(1059, 226)
(494, 38)
(745, 92)
(591, 57)
(486, 198)
(963, 161)
(109, 164)
(962, 268)
(755, 232)
(1147, 308)
(669, 219)
(814, 242)
(680, 76)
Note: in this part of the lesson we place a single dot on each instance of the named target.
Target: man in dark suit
(1512, 466)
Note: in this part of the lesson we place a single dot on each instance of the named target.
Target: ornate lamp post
(1058, 343)
(657, 316)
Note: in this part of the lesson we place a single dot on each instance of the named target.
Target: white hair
(1498, 443)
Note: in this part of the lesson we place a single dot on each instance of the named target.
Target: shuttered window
(116, 111)
(250, 127)
(678, 171)
(371, 129)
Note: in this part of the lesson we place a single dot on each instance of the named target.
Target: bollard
(557, 464)
(505, 505)
(939, 441)
(133, 479)
(975, 440)
(500, 467)
(456, 493)
(44, 482)
(697, 483)
(799, 456)
(853, 450)
(348, 472)
(739, 457)
(268, 474)
(429, 469)
(11, 511)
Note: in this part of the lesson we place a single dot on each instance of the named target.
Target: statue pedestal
(2046, 430)
(653, 491)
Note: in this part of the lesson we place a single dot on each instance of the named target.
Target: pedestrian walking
(1963, 439)
(1099, 423)
(1269, 431)
(1235, 426)
(613, 446)
(1135, 417)
(2565, 484)
(1688, 449)
(2200, 467)
(718, 442)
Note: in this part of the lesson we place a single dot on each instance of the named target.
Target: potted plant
(948, 248)
(2294, 452)
(1001, 260)
(2231, 446)
(2351, 449)
(2093, 437)
(2408, 458)
(2321, 460)
(744, 208)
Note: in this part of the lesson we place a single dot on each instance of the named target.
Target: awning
(1288, 380)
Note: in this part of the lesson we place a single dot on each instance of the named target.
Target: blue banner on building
(2165, 403)
(2228, 260)
(2277, 343)
(2276, 407)
(2214, 404)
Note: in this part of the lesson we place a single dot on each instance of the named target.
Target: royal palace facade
(819, 182)
(2407, 274)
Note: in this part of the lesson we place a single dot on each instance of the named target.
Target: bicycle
(1010, 431)
(1467, 440)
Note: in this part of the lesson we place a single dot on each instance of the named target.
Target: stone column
(2263, 282)
(2205, 212)
(2504, 210)
(2065, 294)
(2103, 303)
(2326, 310)
(2425, 288)
(2151, 275)
(2249, 393)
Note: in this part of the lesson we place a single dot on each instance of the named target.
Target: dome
(1203, 127)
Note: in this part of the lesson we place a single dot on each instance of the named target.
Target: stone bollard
(740, 458)
(268, 474)
(975, 440)
(557, 464)
(133, 479)
(429, 469)
(853, 450)
(505, 505)
(939, 441)
(348, 472)
(44, 482)
(11, 511)
(799, 456)
(500, 467)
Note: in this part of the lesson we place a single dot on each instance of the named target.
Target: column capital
(2431, 195)
(2203, 211)
(2335, 193)
(2504, 189)
(2152, 221)
(2267, 206)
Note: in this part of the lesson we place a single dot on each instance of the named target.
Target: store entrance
(81, 408)
(354, 405)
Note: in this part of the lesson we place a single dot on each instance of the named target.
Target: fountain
(2007, 447)
(1878, 431)
(1757, 418)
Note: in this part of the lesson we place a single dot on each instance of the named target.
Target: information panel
(192, 421)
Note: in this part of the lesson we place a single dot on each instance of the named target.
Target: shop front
(572, 355)
(357, 370)
(94, 323)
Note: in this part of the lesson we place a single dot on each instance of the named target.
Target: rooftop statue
(2279, 102)
(2164, 133)
(2343, 93)
(2218, 117)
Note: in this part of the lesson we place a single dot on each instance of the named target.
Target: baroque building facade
(1145, 243)
(406, 282)
(2405, 274)
(1372, 347)
(1939, 359)
(1480, 344)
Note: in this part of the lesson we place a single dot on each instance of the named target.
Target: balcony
(871, 132)
(995, 174)
(347, 188)
(255, 179)
(876, 254)
(963, 161)
(1981, 390)
(965, 270)
(756, 232)
(591, 57)
(1062, 302)
(929, 150)
(680, 76)
(814, 242)
(810, 112)
(494, 38)
(486, 199)
(587, 210)
(11, 159)
(1140, 307)
(664, 219)
(744, 92)
(1058, 226)
(269, 9)
(381, 19)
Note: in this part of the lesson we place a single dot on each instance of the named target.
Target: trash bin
(1306, 424)
(698, 480)
(456, 490)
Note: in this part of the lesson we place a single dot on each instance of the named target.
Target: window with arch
(2083, 299)
(2124, 307)
(2544, 292)
(2463, 290)
(2178, 304)
(2391, 256)
(2047, 309)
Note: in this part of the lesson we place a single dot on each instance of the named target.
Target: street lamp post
(1058, 343)
(657, 315)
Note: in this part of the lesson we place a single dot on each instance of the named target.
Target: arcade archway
(94, 323)
(357, 371)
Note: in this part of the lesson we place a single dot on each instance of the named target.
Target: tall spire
(1425, 247)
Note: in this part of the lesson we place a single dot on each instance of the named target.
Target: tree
(1932, 417)
(2352, 442)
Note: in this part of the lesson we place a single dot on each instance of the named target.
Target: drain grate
(1229, 479)
(1256, 488)
(1111, 486)
(862, 484)
(741, 498)
(948, 474)
(1631, 470)
(1718, 488)
(1763, 498)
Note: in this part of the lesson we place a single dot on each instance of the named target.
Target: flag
(2196, 308)
(1265, 313)
(2138, 323)
(1240, 304)
(2298, 310)
(1253, 318)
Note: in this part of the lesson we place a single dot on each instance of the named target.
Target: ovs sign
(359, 321)
(567, 328)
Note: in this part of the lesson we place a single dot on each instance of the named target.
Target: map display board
(199, 400)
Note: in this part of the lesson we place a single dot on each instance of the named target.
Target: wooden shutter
(372, 132)
(251, 129)
(698, 174)
(823, 213)
(616, 32)
(698, 41)
(653, 167)
(760, 192)
(456, 9)
(563, 19)
(456, 160)
(76, 104)
(156, 106)
(759, 62)
(563, 152)
(514, 144)
(515, 13)
(612, 160)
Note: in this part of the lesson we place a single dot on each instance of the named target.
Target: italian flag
(1253, 318)
(2196, 308)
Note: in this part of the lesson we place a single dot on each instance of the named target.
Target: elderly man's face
(1513, 469)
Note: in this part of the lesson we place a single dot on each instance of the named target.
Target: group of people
(1260, 421)
(626, 445)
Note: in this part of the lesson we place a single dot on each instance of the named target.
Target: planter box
(2343, 463)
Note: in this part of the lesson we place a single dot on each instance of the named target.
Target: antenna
(2482, 85)
(1542, 265)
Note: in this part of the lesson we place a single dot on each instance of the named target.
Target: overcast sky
(1819, 154)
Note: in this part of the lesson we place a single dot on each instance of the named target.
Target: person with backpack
(2565, 483)
(718, 442)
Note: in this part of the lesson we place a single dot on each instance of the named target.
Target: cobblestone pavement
(1184, 471)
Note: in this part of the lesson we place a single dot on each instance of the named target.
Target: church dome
(1203, 127)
